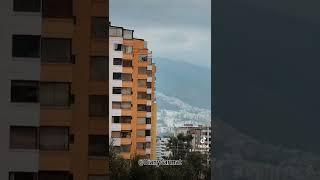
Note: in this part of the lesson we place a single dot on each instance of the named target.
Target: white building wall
(20, 69)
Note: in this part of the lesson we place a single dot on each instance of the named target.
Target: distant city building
(201, 141)
(132, 117)
(162, 151)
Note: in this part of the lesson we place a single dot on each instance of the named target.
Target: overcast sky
(175, 29)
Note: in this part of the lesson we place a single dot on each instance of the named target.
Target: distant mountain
(188, 82)
(173, 112)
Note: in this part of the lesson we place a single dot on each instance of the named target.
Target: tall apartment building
(162, 151)
(132, 101)
(54, 89)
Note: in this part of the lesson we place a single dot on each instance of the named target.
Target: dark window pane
(142, 107)
(126, 77)
(127, 63)
(148, 133)
(98, 106)
(54, 138)
(142, 95)
(148, 120)
(99, 28)
(99, 68)
(54, 175)
(56, 50)
(98, 145)
(54, 94)
(148, 96)
(117, 61)
(117, 76)
(22, 176)
(26, 5)
(149, 85)
(149, 73)
(125, 148)
(23, 137)
(142, 83)
(148, 108)
(118, 47)
(116, 90)
(57, 8)
(24, 91)
(116, 119)
(26, 46)
(142, 70)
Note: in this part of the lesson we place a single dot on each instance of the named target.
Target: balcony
(126, 126)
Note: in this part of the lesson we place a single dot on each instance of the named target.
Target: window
(99, 28)
(118, 47)
(142, 95)
(54, 50)
(142, 82)
(54, 175)
(116, 90)
(149, 85)
(116, 149)
(148, 145)
(23, 137)
(126, 77)
(149, 73)
(141, 120)
(148, 133)
(148, 120)
(142, 70)
(54, 138)
(143, 58)
(126, 91)
(98, 106)
(99, 68)
(142, 107)
(117, 61)
(26, 46)
(98, 177)
(121, 105)
(148, 96)
(26, 6)
(117, 76)
(125, 148)
(57, 8)
(98, 145)
(54, 94)
(114, 31)
(127, 63)
(22, 176)
(148, 108)
(115, 134)
(125, 134)
(140, 133)
(141, 145)
(127, 34)
(115, 119)
(128, 49)
(24, 91)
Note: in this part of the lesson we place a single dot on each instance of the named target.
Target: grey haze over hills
(183, 94)
(187, 82)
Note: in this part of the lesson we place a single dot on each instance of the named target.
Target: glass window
(54, 50)
(141, 121)
(117, 76)
(128, 49)
(99, 68)
(22, 176)
(23, 137)
(127, 63)
(127, 34)
(148, 120)
(142, 82)
(142, 95)
(141, 145)
(98, 177)
(98, 106)
(54, 94)
(115, 134)
(125, 134)
(140, 133)
(142, 70)
(118, 47)
(148, 145)
(126, 105)
(117, 61)
(125, 148)
(98, 145)
(148, 96)
(126, 77)
(126, 91)
(99, 28)
(143, 58)
(26, 46)
(149, 73)
(116, 105)
(116, 90)
(125, 119)
(148, 108)
(26, 6)
(54, 175)
(116, 119)
(149, 85)
(54, 138)
(142, 107)
(24, 91)
(116, 32)
(57, 8)
(148, 133)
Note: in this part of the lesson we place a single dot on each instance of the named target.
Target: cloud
(175, 29)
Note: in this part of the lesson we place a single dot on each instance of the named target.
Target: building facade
(132, 100)
(162, 151)
(54, 100)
